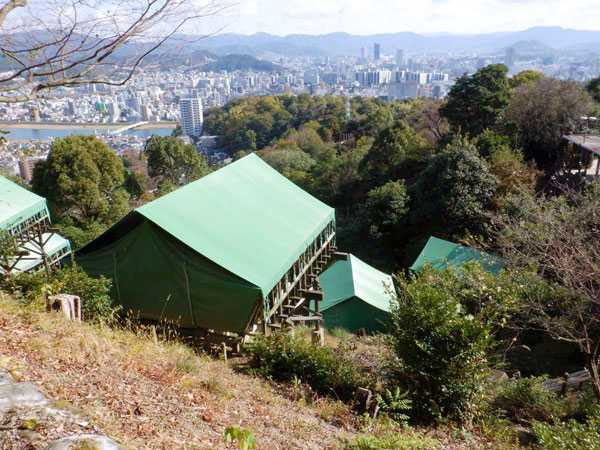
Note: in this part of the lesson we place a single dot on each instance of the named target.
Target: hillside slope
(149, 396)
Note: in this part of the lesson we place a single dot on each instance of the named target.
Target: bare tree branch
(76, 43)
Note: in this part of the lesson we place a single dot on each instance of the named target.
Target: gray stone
(85, 441)
(5, 377)
(20, 394)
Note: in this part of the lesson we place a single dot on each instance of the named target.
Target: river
(46, 133)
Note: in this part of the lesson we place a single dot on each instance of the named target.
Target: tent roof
(245, 217)
(441, 254)
(355, 278)
(17, 204)
(54, 245)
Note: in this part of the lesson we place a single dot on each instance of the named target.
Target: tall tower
(377, 52)
(191, 115)
(400, 58)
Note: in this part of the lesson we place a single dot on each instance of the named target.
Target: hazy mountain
(533, 48)
(344, 43)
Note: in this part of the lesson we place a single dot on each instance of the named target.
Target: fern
(394, 403)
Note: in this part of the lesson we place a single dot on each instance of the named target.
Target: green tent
(205, 254)
(355, 295)
(18, 205)
(20, 210)
(441, 254)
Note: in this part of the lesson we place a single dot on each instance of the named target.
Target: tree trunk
(591, 362)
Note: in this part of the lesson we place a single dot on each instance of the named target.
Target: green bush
(569, 435)
(441, 349)
(286, 357)
(585, 407)
(96, 303)
(527, 399)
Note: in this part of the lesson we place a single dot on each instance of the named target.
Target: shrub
(569, 435)
(284, 357)
(440, 348)
(96, 303)
(244, 438)
(585, 407)
(527, 399)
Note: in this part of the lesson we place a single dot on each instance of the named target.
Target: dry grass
(155, 396)
(166, 396)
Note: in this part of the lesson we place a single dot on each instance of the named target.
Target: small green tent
(22, 214)
(441, 254)
(207, 253)
(18, 205)
(355, 295)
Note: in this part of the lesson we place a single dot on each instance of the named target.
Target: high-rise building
(509, 58)
(114, 110)
(377, 52)
(400, 58)
(364, 52)
(146, 113)
(191, 115)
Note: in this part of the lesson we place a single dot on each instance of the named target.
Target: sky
(282, 17)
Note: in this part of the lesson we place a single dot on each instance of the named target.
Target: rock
(20, 394)
(526, 436)
(85, 442)
(5, 377)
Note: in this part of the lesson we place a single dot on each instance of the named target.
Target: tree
(288, 160)
(593, 88)
(477, 102)
(388, 154)
(558, 238)
(82, 179)
(170, 159)
(50, 44)
(542, 113)
(454, 190)
(489, 142)
(441, 347)
(524, 78)
(385, 208)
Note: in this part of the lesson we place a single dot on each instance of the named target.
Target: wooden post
(565, 384)
(224, 351)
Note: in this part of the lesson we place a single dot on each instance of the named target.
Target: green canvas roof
(55, 244)
(17, 204)
(355, 278)
(441, 254)
(246, 218)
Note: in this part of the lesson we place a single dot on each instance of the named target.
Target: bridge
(127, 127)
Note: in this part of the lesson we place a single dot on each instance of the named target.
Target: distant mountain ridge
(258, 44)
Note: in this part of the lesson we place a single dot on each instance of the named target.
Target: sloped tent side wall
(149, 266)
(354, 314)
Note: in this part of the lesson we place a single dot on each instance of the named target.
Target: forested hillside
(398, 172)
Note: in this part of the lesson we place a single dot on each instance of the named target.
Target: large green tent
(441, 254)
(205, 254)
(355, 295)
